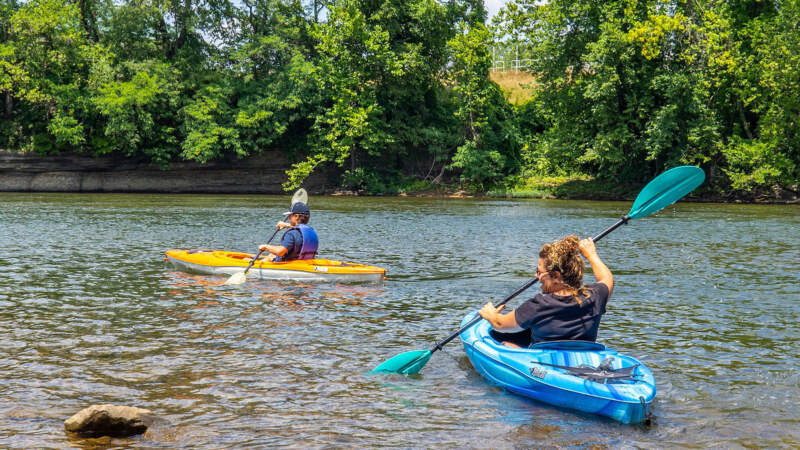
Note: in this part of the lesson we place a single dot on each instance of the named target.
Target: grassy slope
(575, 187)
(518, 86)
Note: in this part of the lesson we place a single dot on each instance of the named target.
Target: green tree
(352, 53)
(778, 44)
(616, 96)
(629, 88)
(751, 55)
(275, 80)
(10, 73)
(138, 102)
(489, 139)
(381, 96)
(46, 61)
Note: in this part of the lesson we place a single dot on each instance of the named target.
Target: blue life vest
(310, 242)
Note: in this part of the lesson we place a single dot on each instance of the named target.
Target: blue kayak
(579, 375)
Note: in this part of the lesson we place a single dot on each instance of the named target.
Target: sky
(492, 6)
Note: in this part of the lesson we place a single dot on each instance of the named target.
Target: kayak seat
(569, 345)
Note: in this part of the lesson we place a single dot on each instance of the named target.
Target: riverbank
(587, 188)
(75, 172)
(265, 173)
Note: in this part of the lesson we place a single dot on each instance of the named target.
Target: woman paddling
(566, 309)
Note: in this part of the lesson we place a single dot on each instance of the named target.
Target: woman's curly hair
(564, 256)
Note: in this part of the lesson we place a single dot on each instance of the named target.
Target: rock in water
(109, 420)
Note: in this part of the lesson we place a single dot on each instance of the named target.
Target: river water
(707, 295)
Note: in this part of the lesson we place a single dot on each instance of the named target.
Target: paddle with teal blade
(240, 277)
(659, 193)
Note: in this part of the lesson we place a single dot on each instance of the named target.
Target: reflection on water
(89, 313)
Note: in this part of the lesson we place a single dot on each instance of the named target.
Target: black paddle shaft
(277, 229)
(623, 220)
(253, 261)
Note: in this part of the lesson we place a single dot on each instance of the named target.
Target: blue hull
(526, 371)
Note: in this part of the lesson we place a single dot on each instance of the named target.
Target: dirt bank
(72, 172)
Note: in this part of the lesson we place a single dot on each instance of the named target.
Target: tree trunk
(745, 125)
(9, 110)
(181, 22)
(88, 20)
(166, 45)
(438, 178)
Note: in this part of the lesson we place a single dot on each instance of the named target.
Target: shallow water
(707, 295)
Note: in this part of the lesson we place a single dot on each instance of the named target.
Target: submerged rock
(109, 420)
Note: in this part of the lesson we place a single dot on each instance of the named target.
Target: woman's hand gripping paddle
(240, 277)
(661, 192)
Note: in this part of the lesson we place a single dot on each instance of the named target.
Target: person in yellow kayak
(300, 242)
(566, 309)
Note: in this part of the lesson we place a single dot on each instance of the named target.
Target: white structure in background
(506, 59)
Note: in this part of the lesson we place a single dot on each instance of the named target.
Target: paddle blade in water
(666, 189)
(237, 278)
(407, 363)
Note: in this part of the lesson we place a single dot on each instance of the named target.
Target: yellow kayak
(229, 263)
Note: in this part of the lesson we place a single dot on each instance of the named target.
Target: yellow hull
(222, 262)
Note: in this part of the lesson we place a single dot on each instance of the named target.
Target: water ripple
(89, 313)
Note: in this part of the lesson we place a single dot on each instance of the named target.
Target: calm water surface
(708, 296)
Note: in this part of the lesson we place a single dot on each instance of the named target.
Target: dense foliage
(395, 91)
(629, 88)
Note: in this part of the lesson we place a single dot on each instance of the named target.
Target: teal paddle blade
(407, 363)
(666, 189)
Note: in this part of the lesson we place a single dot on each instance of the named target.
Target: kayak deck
(213, 262)
(543, 373)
